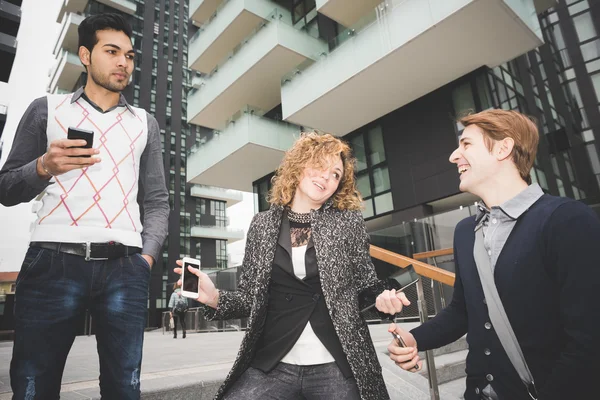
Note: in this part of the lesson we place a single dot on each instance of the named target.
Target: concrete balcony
(66, 73)
(217, 232)
(8, 51)
(71, 6)
(234, 20)
(210, 192)
(78, 7)
(68, 39)
(248, 149)
(408, 49)
(346, 12)
(8, 43)
(10, 14)
(200, 11)
(252, 75)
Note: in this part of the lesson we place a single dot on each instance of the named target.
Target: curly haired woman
(306, 264)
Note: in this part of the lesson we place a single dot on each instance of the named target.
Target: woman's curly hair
(315, 150)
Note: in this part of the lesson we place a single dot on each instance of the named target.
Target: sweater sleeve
(19, 181)
(572, 236)
(451, 323)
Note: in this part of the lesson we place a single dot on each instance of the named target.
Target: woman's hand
(207, 292)
(391, 302)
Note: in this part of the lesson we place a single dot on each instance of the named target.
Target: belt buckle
(88, 250)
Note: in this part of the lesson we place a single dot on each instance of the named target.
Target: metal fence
(196, 322)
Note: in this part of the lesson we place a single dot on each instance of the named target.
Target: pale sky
(29, 80)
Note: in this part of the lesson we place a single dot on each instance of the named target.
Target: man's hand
(406, 358)
(148, 259)
(207, 292)
(62, 157)
(391, 302)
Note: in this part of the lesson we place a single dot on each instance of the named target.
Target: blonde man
(543, 253)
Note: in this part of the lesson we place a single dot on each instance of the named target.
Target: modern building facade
(391, 78)
(10, 21)
(198, 224)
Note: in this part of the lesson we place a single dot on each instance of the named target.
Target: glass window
(584, 26)
(368, 209)
(590, 50)
(596, 82)
(360, 153)
(588, 135)
(575, 96)
(384, 203)
(221, 253)
(218, 210)
(376, 148)
(484, 93)
(462, 99)
(263, 193)
(582, 6)
(372, 176)
(363, 184)
(542, 178)
(559, 41)
(381, 179)
(594, 160)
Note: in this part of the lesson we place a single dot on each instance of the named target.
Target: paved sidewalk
(191, 368)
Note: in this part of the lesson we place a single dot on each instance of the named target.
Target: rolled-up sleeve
(156, 197)
(19, 181)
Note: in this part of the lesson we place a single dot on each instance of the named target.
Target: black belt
(91, 251)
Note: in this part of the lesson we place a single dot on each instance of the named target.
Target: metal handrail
(435, 274)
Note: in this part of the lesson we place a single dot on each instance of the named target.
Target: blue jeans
(294, 382)
(53, 291)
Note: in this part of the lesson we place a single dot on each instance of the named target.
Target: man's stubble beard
(104, 81)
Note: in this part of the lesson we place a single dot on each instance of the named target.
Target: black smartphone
(405, 278)
(78, 133)
(400, 342)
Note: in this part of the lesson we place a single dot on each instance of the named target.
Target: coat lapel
(285, 241)
(310, 259)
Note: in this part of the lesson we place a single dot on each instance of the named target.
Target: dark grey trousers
(294, 382)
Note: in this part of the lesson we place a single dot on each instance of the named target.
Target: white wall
(29, 78)
(240, 215)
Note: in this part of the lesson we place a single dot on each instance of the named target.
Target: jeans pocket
(31, 259)
(142, 260)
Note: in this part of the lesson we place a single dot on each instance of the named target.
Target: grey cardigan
(345, 268)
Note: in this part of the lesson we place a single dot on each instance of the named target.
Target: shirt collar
(514, 207)
(122, 101)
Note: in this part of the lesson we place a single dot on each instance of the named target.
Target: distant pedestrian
(178, 305)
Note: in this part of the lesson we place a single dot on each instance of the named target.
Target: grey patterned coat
(345, 269)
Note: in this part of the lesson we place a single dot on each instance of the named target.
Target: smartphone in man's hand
(78, 133)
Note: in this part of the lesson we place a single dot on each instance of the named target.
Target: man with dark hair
(526, 275)
(89, 248)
